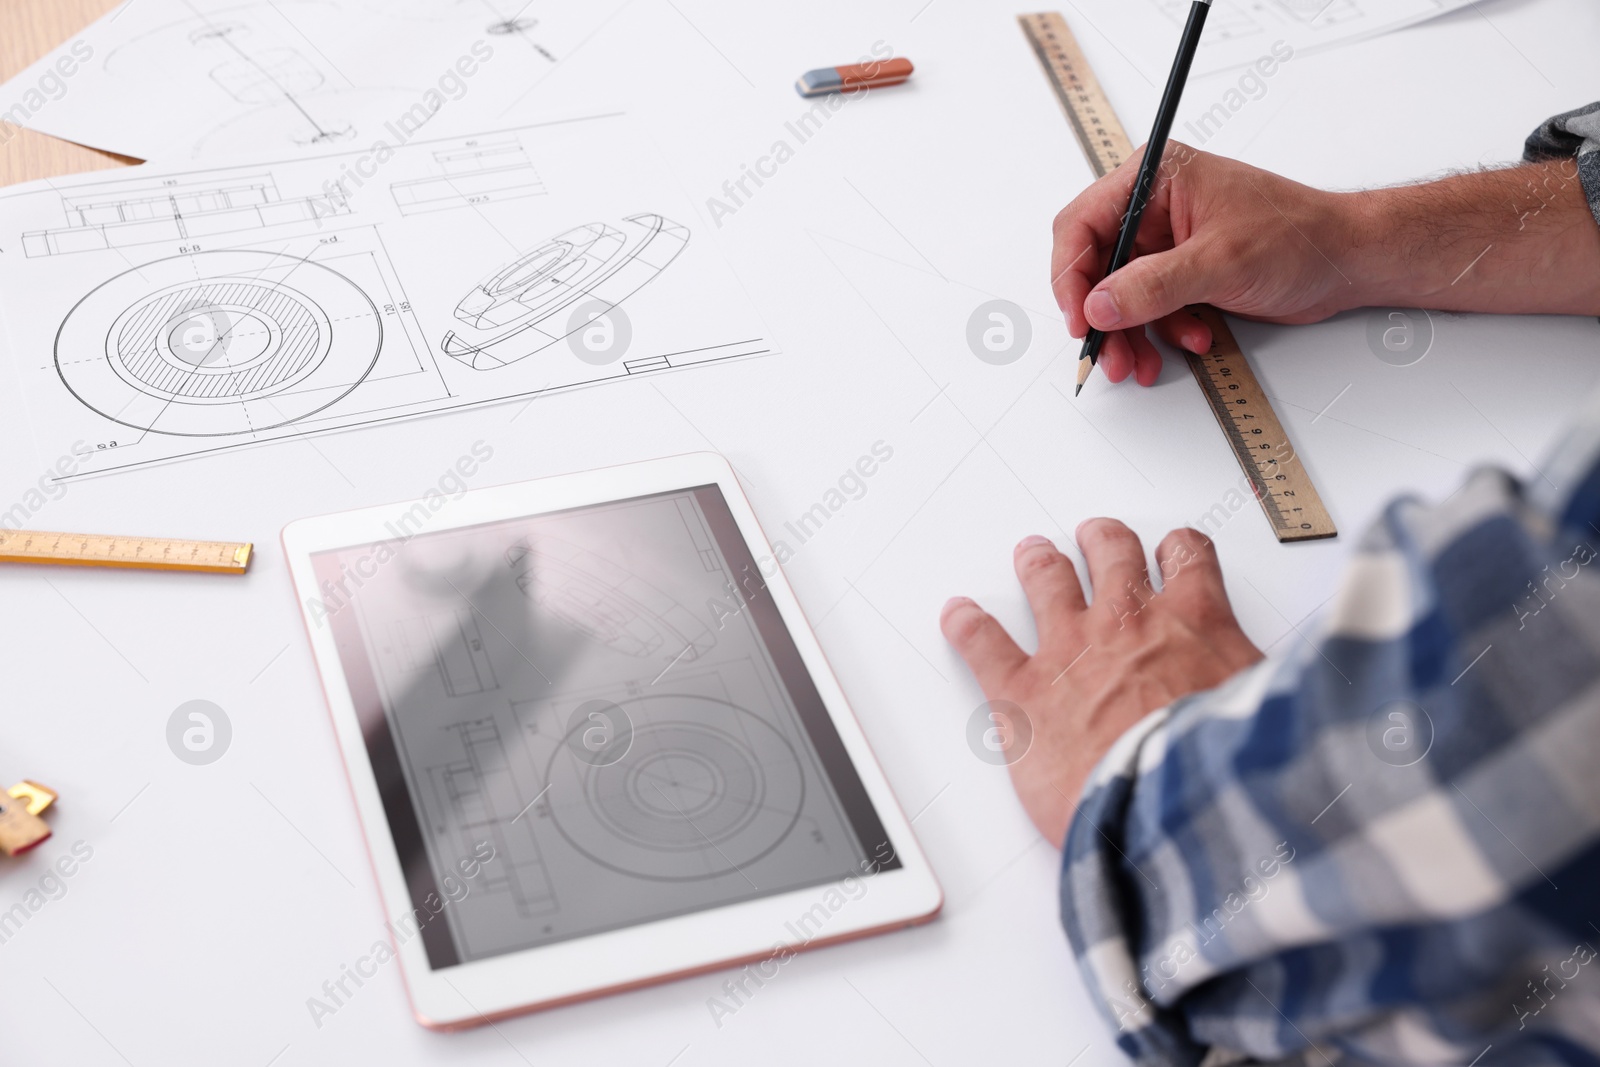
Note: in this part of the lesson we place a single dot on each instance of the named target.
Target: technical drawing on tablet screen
(705, 789)
(464, 794)
(618, 779)
(606, 602)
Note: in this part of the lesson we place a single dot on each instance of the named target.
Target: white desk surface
(220, 898)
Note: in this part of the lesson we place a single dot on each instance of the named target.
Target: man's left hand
(1100, 667)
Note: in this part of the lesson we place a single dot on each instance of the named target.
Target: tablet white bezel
(474, 992)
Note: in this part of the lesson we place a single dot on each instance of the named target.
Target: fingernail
(1101, 309)
(955, 602)
(1031, 541)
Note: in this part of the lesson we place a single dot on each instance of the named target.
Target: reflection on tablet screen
(590, 719)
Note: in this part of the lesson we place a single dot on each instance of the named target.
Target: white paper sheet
(208, 78)
(1239, 33)
(168, 313)
(202, 79)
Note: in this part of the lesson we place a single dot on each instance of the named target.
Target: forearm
(1521, 240)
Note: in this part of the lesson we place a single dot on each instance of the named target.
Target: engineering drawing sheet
(172, 312)
(1241, 32)
(197, 79)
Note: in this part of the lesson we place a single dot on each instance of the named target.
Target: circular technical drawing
(218, 343)
(705, 789)
(596, 262)
(553, 274)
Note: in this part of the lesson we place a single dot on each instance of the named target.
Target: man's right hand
(1518, 240)
(1215, 232)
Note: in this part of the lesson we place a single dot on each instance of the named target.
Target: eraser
(853, 78)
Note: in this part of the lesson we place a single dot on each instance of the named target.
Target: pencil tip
(1078, 390)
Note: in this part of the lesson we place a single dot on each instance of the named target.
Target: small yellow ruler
(149, 553)
(1284, 489)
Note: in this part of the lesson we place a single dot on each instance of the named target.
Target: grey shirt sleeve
(1573, 135)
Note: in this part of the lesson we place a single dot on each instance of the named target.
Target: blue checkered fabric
(1384, 848)
(1573, 135)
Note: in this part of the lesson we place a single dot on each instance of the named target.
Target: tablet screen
(586, 720)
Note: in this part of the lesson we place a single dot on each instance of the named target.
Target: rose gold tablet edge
(625, 987)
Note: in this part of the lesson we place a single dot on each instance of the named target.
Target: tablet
(592, 741)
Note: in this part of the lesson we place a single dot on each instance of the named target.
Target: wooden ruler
(1282, 486)
(1079, 92)
(149, 553)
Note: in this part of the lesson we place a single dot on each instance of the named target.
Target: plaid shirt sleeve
(1575, 136)
(1386, 849)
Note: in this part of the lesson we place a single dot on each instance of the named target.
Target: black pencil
(1145, 184)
